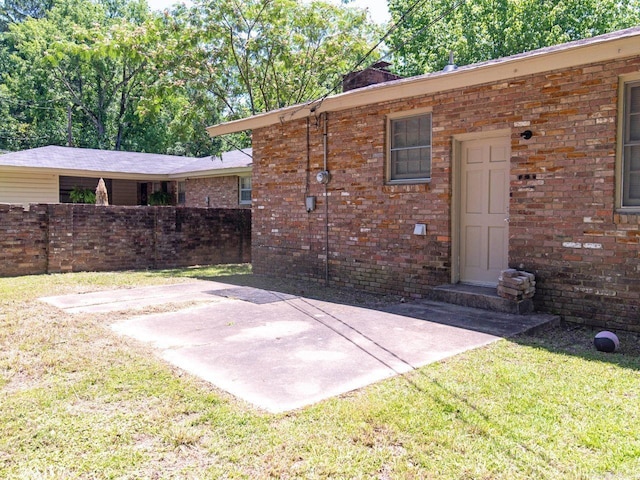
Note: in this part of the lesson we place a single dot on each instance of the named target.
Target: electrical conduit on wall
(326, 196)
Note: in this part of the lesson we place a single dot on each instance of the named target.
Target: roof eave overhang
(226, 172)
(127, 175)
(545, 60)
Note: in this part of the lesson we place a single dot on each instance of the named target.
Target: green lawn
(78, 401)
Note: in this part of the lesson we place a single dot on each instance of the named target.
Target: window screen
(631, 152)
(411, 147)
(245, 189)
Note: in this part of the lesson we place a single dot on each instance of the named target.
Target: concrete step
(477, 296)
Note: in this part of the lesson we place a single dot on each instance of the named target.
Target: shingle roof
(232, 159)
(107, 161)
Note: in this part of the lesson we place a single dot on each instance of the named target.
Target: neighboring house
(530, 161)
(49, 174)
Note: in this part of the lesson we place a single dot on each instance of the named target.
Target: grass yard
(78, 401)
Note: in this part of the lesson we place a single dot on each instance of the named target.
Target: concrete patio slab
(133, 298)
(280, 352)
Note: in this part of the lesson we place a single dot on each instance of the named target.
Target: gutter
(211, 173)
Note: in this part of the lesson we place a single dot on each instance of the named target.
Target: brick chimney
(376, 73)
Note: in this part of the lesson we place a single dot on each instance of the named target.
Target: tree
(89, 57)
(478, 30)
(101, 66)
(142, 81)
(31, 117)
(260, 55)
(15, 11)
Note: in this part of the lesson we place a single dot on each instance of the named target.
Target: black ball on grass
(606, 342)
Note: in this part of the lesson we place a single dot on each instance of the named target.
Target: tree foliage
(16, 11)
(478, 30)
(260, 55)
(112, 74)
(132, 79)
(82, 58)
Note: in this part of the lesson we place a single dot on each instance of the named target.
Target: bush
(160, 198)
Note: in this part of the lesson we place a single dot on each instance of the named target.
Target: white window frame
(243, 189)
(392, 178)
(626, 143)
(182, 192)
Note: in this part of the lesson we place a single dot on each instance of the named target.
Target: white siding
(28, 187)
(125, 192)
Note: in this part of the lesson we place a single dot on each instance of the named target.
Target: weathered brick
(67, 238)
(222, 192)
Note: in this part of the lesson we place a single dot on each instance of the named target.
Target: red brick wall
(564, 226)
(73, 237)
(222, 192)
(23, 239)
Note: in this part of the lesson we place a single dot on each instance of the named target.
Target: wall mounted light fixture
(527, 134)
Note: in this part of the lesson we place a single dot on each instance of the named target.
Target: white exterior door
(484, 210)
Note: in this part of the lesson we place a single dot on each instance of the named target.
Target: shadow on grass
(577, 340)
(487, 422)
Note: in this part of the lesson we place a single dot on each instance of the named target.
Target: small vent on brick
(527, 176)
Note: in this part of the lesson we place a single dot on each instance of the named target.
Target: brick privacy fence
(52, 238)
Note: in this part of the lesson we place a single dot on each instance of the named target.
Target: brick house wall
(223, 192)
(563, 222)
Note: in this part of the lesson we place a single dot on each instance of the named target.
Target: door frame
(456, 193)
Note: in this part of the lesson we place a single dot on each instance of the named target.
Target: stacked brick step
(516, 285)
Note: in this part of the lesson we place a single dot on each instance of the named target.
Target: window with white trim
(631, 146)
(409, 148)
(245, 190)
